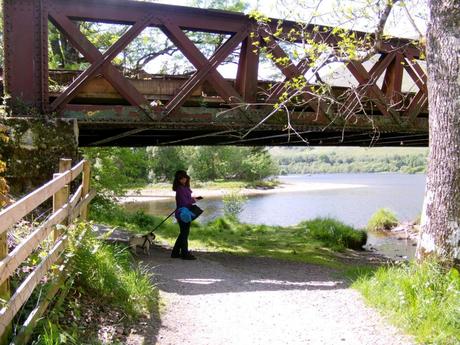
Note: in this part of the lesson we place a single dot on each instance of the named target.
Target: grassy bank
(106, 289)
(314, 241)
(423, 299)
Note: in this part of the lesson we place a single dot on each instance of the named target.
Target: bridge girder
(376, 108)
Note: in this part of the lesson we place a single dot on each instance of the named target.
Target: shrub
(334, 234)
(234, 204)
(383, 219)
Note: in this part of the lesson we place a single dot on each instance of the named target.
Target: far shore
(151, 194)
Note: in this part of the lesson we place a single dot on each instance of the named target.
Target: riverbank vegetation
(349, 159)
(313, 241)
(423, 299)
(117, 169)
(382, 219)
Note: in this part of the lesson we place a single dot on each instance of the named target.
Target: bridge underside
(103, 136)
(106, 119)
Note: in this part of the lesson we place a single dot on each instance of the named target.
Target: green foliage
(291, 243)
(113, 170)
(54, 334)
(382, 219)
(349, 160)
(334, 234)
(236, 163)
(422, 299)
(234, 203)
(165, 161)
(107, 272)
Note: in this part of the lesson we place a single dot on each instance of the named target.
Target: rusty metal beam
(392, 82)
(302, 67)
(127, 12)
(205, 68)
(290, 71)
(105, 58)
(26, 53)
(364, 78)
(92, 54)
(353, 100)
(248, 66)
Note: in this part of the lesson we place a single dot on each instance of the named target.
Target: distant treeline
(350, 160)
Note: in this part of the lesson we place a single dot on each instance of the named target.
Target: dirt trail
(225, 299)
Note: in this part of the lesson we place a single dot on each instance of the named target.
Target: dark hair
(179, 175)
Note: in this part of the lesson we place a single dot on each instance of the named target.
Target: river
(402, 193)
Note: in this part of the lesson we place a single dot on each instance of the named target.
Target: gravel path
(225, 299)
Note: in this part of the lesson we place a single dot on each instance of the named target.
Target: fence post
(5, 292)
(86, 185)
(61, 197)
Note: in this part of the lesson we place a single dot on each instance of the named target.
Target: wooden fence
(66, 208)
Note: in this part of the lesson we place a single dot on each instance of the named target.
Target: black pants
(181, 245)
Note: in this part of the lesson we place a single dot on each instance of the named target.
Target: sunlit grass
(315, 241)
(422, 299)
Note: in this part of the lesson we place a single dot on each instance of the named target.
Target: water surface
(402, 193)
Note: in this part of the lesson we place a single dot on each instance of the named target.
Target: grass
(105, 275)
(107, 272)
(314, 241)
(382, 219)
(422, 299)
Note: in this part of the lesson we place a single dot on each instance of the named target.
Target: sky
(327, 12)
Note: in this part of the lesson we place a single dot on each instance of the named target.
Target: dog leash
(146, 238)
(164, 220)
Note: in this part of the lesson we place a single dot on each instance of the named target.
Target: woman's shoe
(175, 256)
(188, 257)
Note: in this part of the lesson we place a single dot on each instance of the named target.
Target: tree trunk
(440, 224)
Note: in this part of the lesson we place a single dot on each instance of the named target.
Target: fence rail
(66, 208)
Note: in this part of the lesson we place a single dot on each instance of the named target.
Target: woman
(184, 199)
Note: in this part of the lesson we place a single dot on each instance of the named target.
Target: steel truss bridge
(204, 108)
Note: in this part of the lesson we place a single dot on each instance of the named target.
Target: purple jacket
(183, 198)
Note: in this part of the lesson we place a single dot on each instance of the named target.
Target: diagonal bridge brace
(206, 69)
(366, 83)
(291, 71)
(419, 77)
(101, 63)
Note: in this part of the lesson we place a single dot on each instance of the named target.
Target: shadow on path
(224, 299)
(221, 273)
